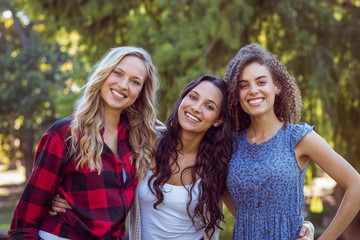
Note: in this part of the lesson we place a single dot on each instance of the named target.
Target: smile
(192, 117)
(256, 101)
(117, 94)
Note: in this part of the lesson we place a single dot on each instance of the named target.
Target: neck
(191, 142)
(263, 128)
(111, 119)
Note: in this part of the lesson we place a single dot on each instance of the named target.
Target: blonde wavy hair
(86, 143)
(288, 102)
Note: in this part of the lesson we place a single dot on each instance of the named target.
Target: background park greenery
(48, 46)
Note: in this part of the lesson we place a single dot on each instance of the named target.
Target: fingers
(57, 209)
(303, 231)
(58, 199)
(60, 203)
(307, 230)
(51, 213)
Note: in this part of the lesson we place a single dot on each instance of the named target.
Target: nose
(196, 107)
(253, 89)
(124, 84)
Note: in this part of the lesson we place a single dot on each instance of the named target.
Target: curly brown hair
(211, 163)
(288, 104)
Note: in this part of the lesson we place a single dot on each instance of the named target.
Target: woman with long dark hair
(191, 161)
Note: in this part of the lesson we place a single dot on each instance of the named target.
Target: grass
(11, 187)
(6, 215)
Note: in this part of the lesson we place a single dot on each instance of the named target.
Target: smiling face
(123, 85)
(200, 108)
(257, 90)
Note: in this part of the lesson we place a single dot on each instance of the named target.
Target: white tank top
(170, 220)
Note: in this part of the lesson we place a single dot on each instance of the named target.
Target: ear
(218, 122)
(278, 89)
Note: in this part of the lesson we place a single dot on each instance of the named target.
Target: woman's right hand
(58, 205)
(307, 231)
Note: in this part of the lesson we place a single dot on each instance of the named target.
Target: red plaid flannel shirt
(100, 203)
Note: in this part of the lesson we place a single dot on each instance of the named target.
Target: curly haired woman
(272, 149)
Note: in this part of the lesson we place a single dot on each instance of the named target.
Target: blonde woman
(94, 157)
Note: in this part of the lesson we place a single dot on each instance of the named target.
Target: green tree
(31, 74)
(318, 40)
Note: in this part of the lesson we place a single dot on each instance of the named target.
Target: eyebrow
(206, 99)
(259, 77)
(118, 68)
(262, 76)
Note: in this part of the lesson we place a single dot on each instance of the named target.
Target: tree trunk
(13, 149)
(24, 38)
(27, 148)
(28, 144)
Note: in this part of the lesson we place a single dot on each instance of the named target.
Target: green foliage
(227, 225)
(31, 72)
(100, 24)
(27, 80)
(318, 40)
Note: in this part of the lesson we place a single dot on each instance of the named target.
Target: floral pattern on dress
(266, 185)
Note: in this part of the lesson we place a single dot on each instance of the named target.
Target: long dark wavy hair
(211, 162)
(288, 102)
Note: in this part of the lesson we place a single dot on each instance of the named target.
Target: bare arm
(229, 202)
(314, 147)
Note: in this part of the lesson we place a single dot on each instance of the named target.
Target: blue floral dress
(266, 184)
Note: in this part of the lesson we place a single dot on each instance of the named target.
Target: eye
(117, 73)
(262, 82)
(210, 107)
(192, 97)
(243, 86)
(136, 82)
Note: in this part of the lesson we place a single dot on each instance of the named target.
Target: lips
(192, 117)
(117, 94)
(255, 101)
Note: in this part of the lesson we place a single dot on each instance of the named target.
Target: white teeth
(259, 100)
(192, 117)
(117, 94)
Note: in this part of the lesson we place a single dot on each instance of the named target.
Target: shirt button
(119, 164)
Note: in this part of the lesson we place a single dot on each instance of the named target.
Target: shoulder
(55, 138)
(160, 129)
(61, 123)
(60, 128)
(298, 128)
(297, 131)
